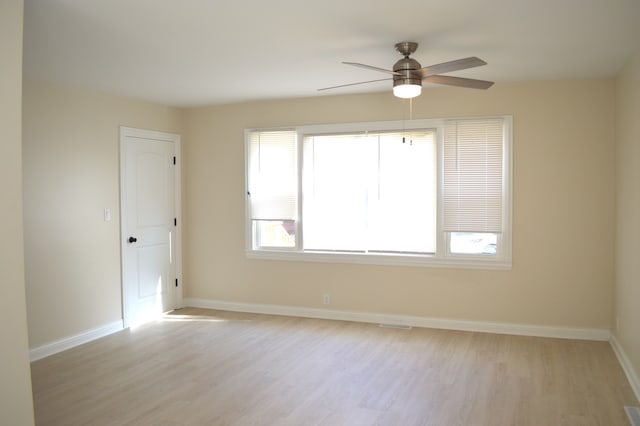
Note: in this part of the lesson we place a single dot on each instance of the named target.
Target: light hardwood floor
(205, 367)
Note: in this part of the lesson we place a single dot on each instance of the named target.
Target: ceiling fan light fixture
(407, 91)
(407, 82)
(408, 74)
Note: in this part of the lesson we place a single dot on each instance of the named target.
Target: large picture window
(435, 192)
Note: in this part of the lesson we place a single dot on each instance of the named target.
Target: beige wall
(563, 211)
(627, 248)
(16, 405)
(71, 174)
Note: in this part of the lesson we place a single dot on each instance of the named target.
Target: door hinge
(176, 282)
(174, 160)
(175, 221)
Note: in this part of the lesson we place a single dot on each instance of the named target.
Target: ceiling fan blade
(458, 64)
(354, 84)
(369, 67)
(459, 82)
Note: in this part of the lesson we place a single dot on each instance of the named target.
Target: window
(272, 181)
(435, 192)
(369, 192)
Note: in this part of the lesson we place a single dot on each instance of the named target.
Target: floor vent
(634, 415)
(398, 326)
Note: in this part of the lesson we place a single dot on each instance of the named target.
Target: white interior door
(148, 200)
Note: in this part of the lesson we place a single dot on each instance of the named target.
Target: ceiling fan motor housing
(409, 72)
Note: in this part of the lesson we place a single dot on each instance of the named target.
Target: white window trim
(442, 258)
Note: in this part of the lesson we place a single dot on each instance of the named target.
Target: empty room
(320, 213)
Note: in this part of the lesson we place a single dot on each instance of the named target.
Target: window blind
(334, 184)
(473, 175)
(370, 192)
(272, 176)
(402, 212)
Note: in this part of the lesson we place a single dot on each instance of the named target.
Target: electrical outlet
(326, 299)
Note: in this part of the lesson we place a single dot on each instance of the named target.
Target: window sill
(430, 261)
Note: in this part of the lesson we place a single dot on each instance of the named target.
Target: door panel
(152, 180)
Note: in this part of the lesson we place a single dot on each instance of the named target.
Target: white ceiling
(199, 52)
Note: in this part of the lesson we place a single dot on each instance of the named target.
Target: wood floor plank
(206, 367)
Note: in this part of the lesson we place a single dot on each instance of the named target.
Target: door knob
(132, 239)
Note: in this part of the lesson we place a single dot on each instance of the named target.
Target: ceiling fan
(408, 74)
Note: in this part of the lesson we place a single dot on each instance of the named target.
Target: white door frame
(177, 244)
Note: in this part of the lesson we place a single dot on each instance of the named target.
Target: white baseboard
(631, 373)
(426, 322)
(75, 340)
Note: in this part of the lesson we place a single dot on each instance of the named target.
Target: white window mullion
(299, 176)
